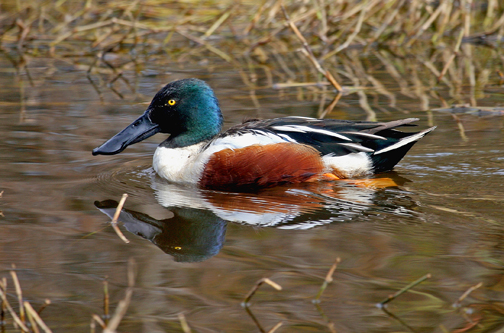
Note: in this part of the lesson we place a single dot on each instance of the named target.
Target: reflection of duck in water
(257, 153)
(190, 235)
(197, 229)
(298, 206)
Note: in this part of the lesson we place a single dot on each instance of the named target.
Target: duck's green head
(186, 109)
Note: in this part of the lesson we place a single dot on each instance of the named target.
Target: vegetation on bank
(420, 44)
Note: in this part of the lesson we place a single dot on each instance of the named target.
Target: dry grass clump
(419, 44)
(41, 26)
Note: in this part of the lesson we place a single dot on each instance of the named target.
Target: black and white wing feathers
(380, 140)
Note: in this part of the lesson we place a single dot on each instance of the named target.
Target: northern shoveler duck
(257, 153)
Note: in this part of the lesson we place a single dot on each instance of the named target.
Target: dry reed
(406, 39)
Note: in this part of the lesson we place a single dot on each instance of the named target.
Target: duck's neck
(186, 139)
(201, 123)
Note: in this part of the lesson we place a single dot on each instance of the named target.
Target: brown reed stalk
(428, 23)
(3, 307)
(106, 300)
(183, 323)
(116, 216)
(200, 41)
(96, 319)
(277, 326)
(33, 323)
(454, 54)
(19, 293)
(256, 18)
(11, 310)
(363, 10)
(46, 303)
(219, 21)
(328, 279)
(256, 286)
(123, 305)
(309, 53)
(36, 318)
(467, 293)
(331, 106)
(386, 23)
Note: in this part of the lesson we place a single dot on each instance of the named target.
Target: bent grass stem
(405, 289)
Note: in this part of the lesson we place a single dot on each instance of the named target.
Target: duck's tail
(385, 158)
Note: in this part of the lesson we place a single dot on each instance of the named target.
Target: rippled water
(200, 252)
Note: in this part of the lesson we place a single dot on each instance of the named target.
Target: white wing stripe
(404, 141)
(367, 135)
(289, 128)
(286, 137)
(304, 129)
(305, 118)
(357, 146)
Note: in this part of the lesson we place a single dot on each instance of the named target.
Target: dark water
(200, 252)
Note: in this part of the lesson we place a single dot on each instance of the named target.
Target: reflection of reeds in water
(29, 320)
(417, 43)
(1, 213)
(25, 309)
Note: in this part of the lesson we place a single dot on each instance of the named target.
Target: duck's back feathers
(381, 141)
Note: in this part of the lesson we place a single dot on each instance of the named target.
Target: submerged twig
(1, 213)
(254, 319)
(405, 289)
(328, 279)
(106, 314)
(46, 303)
(11, 310)
(277, 326)
(467, 292)
(34, 316)
(96, 319)
(32, 321)
(402, 322)
(257, 285)
(3, 289)
(330, 324)
(123, 305)
(183, 323)
(258, 324)
(19, 294)
(116, 216)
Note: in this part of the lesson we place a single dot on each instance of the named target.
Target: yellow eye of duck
(171, 102)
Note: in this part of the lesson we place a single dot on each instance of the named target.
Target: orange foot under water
(373, 183)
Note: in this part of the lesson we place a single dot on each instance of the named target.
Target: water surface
(199, 252)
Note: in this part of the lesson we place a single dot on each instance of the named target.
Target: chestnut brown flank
(262, 166)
